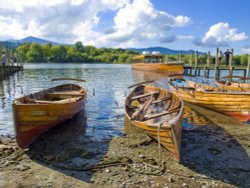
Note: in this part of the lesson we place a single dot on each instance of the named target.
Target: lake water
(105, 110)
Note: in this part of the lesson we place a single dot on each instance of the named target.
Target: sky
(177, 24)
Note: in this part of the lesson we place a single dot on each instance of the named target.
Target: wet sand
(214, 154)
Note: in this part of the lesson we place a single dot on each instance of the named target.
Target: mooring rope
(159, 143)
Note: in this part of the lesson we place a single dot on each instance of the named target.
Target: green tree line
(35, 52)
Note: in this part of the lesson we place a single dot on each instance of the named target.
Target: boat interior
(60, 94)
(152, 105)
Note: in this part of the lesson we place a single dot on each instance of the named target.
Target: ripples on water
(105, 110)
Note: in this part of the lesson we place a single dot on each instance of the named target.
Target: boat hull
(236, 105)
(170, 136)
(31, 121)
(170, 69)
(38, 112)
(234, 86)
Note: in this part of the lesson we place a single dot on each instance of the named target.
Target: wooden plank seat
(154, 102)
(66, 93)
(69, 100)
(160, 114)
(144, 95)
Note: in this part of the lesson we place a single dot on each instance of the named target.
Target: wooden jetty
(215, 70)
(8, 65)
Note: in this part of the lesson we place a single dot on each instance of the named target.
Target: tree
(35, 53)
(59, 53)
(202, 59)
(78, 47)
(236, 60)
(90, 50)
(244, 59)
(46, 51)
(22, 51)
(123, 58)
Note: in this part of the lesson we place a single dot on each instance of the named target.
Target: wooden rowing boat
(36, 113)
(154, 63)
(234, 104)
(158, 113)
(228, 83)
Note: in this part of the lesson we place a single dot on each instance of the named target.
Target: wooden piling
(1, 55)
(167, 58)
(12, 55)
(231, 58)
(208, 59)
(205, 71)
(7, 56)
(1, 65)
(216, 64)
(195, 62)
(231, 70)
(17, 59)
(190, 59)
(248, 66)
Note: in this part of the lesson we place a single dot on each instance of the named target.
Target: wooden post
(231, 58)
(248, 66)
(205, 71)
(190, 59)
(218, 75)
(1, 65)
(167, 58)
(7, 56)
(216, 64)
(208, 59)
(1, 56)
(195, 63)
(17, 59)
(231, 69)
(12, 55)
(199, 72)
(245, 74)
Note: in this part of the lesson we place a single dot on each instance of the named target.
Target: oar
(72, 79)
(141, 83)
(140, 113)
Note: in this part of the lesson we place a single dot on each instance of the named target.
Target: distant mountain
(10, 45)
(32, 40)
(163, 50)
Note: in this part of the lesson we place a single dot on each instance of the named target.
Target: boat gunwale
(165, 124)
(17, 103)
(190, 88)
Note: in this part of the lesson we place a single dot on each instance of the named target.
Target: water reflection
(192, 119)
(105, 109)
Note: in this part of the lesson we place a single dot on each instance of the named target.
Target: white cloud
(220, 34)
(68, 21)
(139, 20)
(57, 20)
